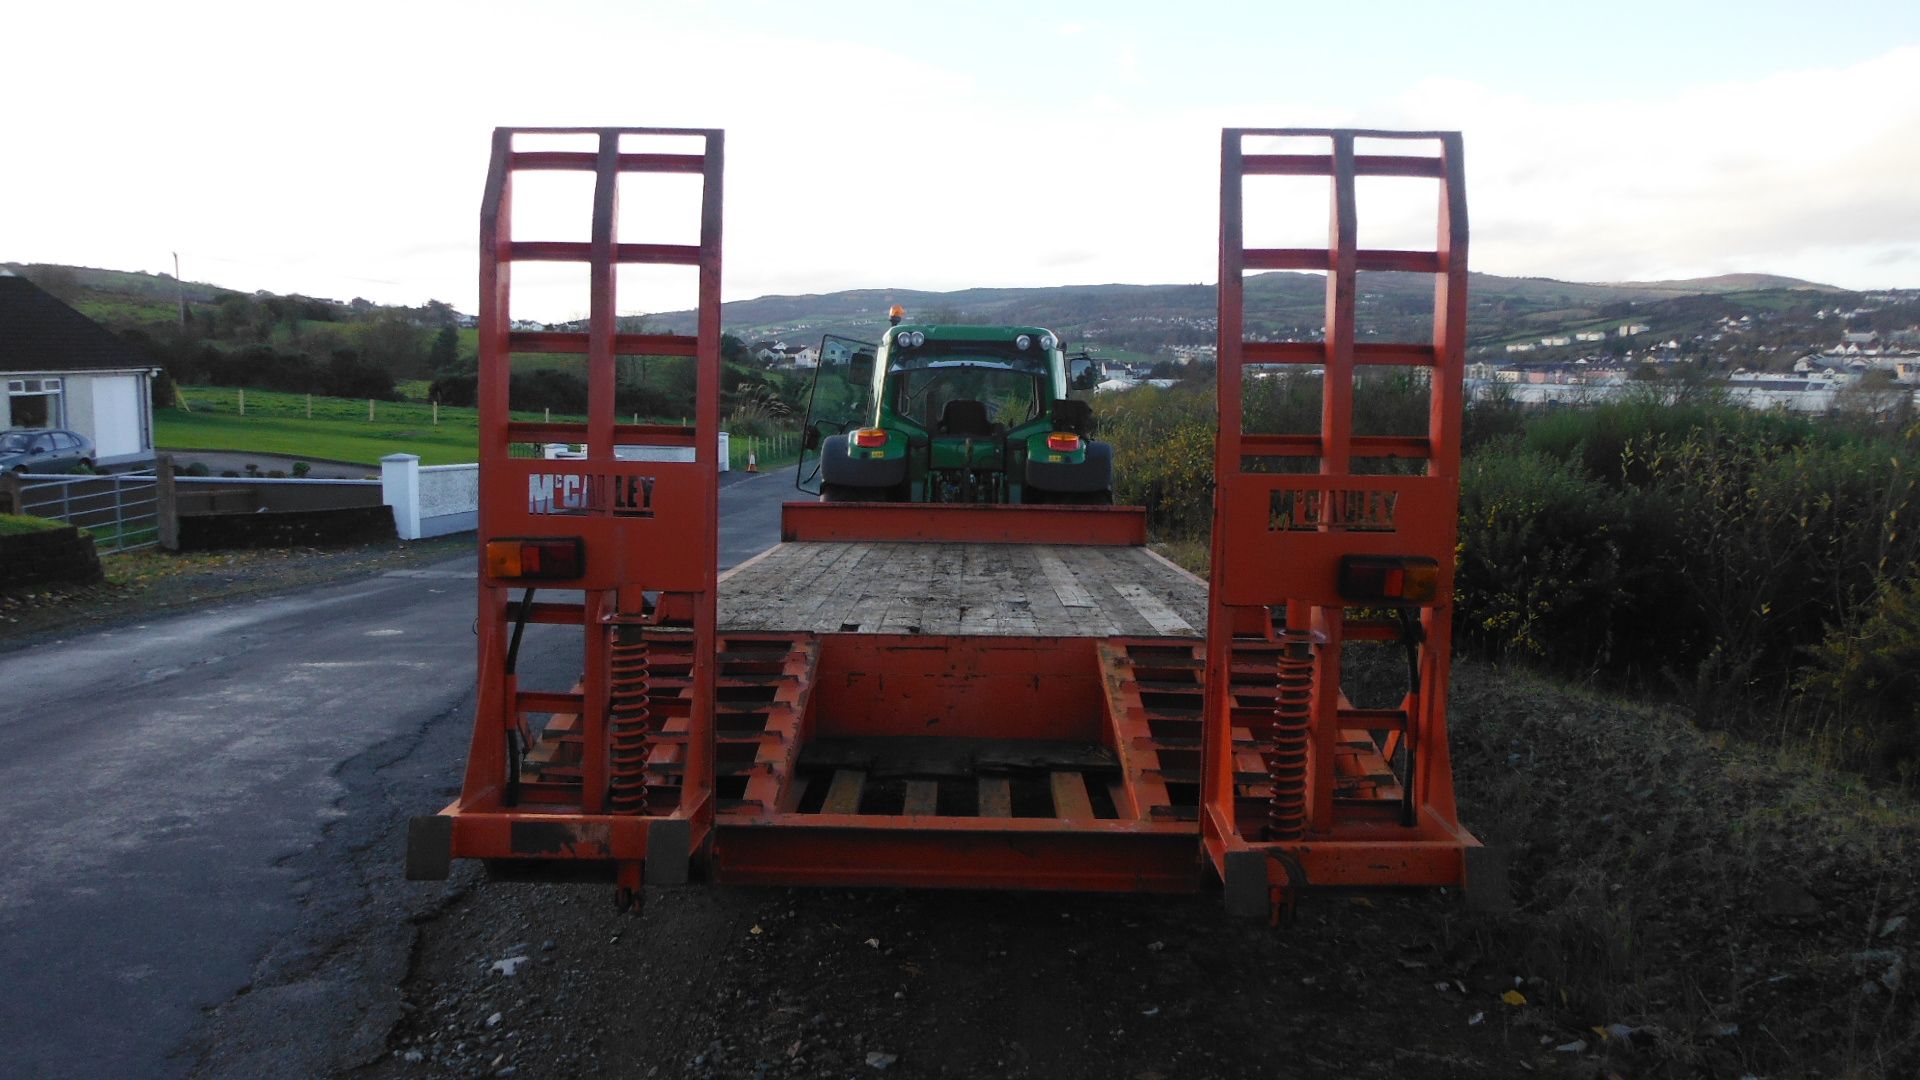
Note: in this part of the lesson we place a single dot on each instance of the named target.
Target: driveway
(204, 815)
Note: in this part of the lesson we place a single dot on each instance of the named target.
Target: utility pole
(181, 288)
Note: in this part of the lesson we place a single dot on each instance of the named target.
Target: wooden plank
(1161, 617)
(825, 588)
(923, 797)
(945, 588)
(823, 603)
(1061, 578)
(844, 796)
(996, 796)
(1070, 796)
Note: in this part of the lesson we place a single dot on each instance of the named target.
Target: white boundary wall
(431, 500)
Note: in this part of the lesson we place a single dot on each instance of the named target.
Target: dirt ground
(1683, 909)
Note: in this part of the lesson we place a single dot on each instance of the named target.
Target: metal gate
(121, 511)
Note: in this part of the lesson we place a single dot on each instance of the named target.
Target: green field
(277, 423)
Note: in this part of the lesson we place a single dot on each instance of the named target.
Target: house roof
(39, 333)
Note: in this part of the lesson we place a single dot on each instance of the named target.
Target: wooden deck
(1042, 590)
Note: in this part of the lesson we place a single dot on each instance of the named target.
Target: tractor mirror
(860, 367)
(810, 438)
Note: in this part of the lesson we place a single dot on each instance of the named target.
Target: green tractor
(953, 414)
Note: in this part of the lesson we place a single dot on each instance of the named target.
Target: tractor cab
(952, 414)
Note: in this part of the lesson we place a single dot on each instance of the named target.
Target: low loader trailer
(958, 670)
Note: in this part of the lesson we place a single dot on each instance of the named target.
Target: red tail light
(552, 558)
(1064, 441)
(1401, 579)
(870, 437)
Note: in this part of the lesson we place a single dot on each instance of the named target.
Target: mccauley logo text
(576, 493)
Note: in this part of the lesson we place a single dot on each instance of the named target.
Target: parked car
(42, 450)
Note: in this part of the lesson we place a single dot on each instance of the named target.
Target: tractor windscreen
(1009, 397)
(1007, 380)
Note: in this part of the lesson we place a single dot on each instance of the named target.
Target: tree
(445, 354)
(236, 315)
(396, 345)
(57, 281)
(1873, 400)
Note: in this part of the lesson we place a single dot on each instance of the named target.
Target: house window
(36, 403)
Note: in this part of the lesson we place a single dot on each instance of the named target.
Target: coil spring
(1289, 736)
(629, 723)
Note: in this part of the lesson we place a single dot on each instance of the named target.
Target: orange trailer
(1009, 697)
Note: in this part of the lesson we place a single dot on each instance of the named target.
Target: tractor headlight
(1047, 341)
(1022, 342)
(919, 339)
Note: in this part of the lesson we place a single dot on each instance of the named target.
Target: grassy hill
(1725, 283)
(1146, 319)
(1117, 320)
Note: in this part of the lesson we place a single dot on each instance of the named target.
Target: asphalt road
(204, 817)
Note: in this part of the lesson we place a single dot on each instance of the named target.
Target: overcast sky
(338, 149)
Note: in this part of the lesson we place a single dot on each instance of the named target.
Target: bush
(161, 391)
(1868, 674)
(343, 373)
(1597, 438)
(1494, 417)
(347, 375)
(1162, 455)
(1539, 567)
(1765, 546)
(460, 390)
